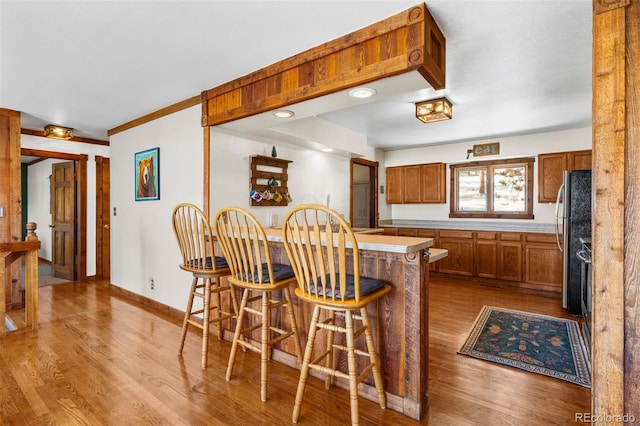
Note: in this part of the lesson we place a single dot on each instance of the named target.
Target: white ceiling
(513, 66)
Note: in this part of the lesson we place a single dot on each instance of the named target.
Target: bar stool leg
(187, 314)
(294, 324)
(351, 363)
(217, 302)
(205, 321)
(304, 370)
(265, 344)
(330, 360)
(373, 355)
(236, 335)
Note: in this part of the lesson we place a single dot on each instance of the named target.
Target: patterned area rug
(536, 343)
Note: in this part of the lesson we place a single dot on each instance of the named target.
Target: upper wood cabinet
(551, 167)
(416, 183)
(433, 178)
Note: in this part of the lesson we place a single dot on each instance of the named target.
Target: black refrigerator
(573, 222)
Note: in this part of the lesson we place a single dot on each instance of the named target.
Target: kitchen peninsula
(400, 319)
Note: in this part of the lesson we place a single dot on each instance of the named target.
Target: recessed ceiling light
(283, 113)
(362, 92)
(327, 149)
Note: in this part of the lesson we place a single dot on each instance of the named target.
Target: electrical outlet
(152, 284)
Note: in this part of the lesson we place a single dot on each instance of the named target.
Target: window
(493, 189)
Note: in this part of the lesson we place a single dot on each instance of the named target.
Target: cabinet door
(460, 257)
(550, 171)
(395, 185)
(412, 192)
(543, 266)
(433, 177)
(486, 258)
(579, 160)
(510, 260)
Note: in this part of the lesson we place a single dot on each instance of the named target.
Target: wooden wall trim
(407, 41)
(632, 212)
(609, 137)
(73, 139)
(206, 184)
(178, 106)
(53, 154)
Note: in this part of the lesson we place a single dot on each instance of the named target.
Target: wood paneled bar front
(400, 319)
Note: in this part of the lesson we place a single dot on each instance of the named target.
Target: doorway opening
(78, 233)
(364, 193)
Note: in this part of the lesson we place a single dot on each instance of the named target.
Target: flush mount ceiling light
(362, 92)
(58, 132)
(434, 110)
(283, 113)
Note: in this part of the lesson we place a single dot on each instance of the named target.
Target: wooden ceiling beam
(407, 41)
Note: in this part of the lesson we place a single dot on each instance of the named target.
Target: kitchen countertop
(475, 225)
(383, 243)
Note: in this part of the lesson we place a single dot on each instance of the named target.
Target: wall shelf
(264, 168)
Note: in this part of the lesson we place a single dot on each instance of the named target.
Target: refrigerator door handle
(560, 192)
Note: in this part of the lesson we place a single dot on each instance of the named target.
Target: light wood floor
(101, 359)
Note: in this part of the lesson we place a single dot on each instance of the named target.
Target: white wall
(511, 147)
(38, 190)
(142, 240)
(313, 176)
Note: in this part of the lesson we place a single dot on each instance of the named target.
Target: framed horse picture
(147, 174)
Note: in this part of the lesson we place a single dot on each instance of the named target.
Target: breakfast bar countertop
(376, 242)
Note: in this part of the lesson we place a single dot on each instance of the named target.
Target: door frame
(81, 203)
(101, 163)
(373, 189)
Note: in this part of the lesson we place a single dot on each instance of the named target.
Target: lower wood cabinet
(486, 254)
(460, 258)
(510, 256)
(543, 262)
(528, 260)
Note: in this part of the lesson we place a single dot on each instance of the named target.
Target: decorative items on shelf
(274, 153)
(268, 181)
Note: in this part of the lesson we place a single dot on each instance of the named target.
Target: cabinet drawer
(427, 233)
(510, 236)
(449, 233)
(390, 231)
(486, 235)
(407, 232)
(540, 238)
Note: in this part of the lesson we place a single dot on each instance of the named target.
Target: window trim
(527, 162)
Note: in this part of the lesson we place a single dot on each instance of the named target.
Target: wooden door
(103, 218)
(63, 217)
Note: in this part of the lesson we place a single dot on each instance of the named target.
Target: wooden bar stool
(194, 236)
(317, 240)
(246, 249)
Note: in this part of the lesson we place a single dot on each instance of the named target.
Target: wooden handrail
(9, 253)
